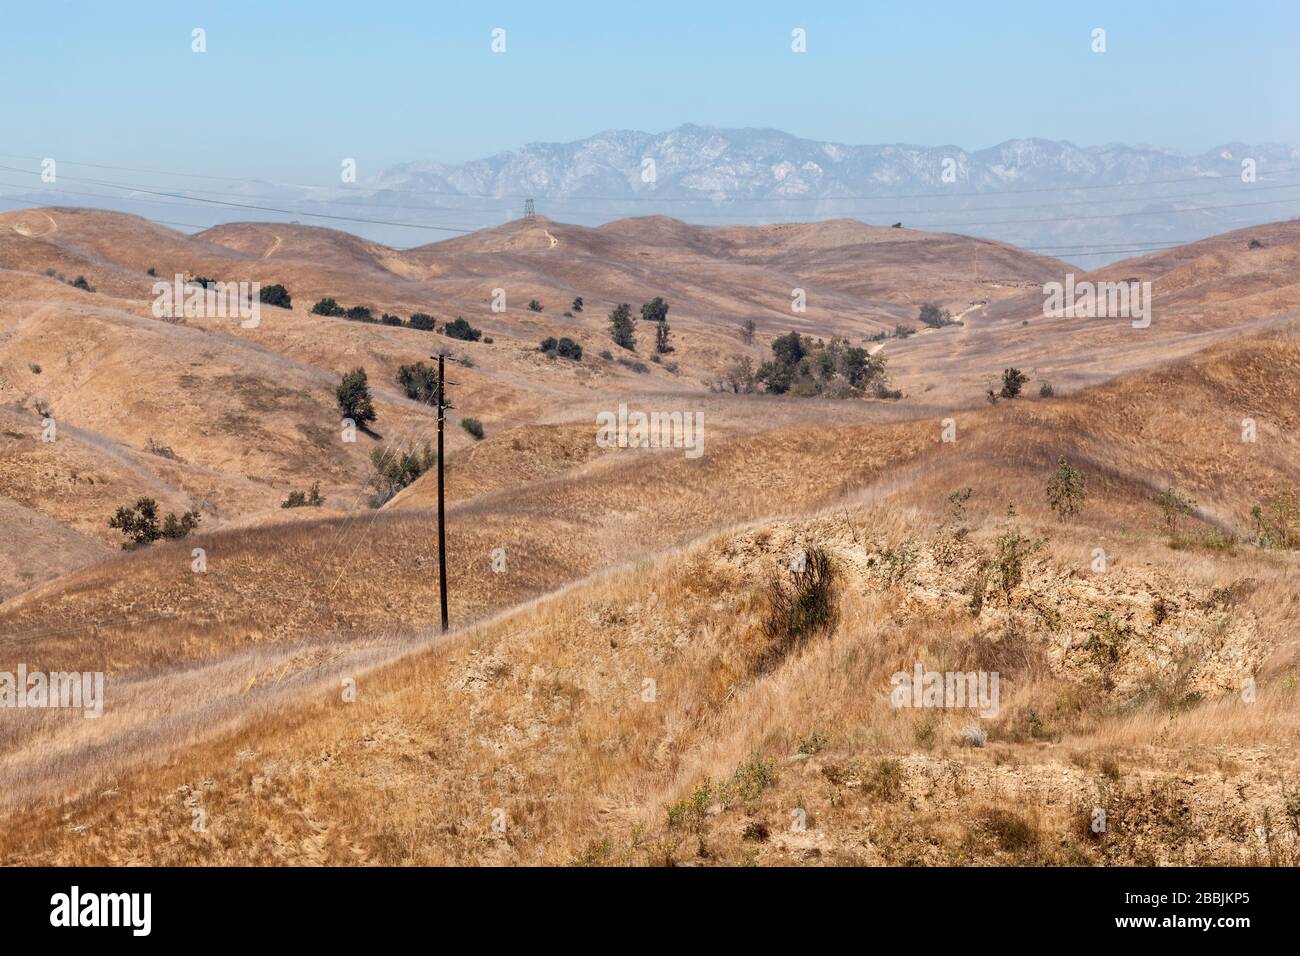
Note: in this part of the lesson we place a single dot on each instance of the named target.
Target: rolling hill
(623, 565)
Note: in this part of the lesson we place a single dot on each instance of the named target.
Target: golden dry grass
(1123, 689)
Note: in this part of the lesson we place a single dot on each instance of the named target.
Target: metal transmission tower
(529, 211)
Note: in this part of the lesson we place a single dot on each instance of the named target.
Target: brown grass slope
(1202, 293)
(643, 718)
(331, 579)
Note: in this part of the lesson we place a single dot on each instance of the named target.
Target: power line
(239, 205)
(572, 202)
(519, 196)
(925, 225)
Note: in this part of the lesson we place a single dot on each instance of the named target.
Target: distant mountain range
(1088, 205)
(1028, 191)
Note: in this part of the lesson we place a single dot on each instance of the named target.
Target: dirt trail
(25, 230)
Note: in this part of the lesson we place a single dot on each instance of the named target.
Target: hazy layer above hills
(1105, 202)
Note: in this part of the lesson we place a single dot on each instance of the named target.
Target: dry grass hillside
(243, 416)
(1172, 626)
(579, 572)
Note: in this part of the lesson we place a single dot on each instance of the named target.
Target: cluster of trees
(139, 523)
(327, 306)
(420, 321)
(804, 367)
(564, 347)
(622, 328)
(393, 471)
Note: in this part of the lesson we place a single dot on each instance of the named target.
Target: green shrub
(934, 317)
(387, 319)
(140, 523)
(420, 382)
(422, 321)
(393, 471)
(1066, 490)
(1012, 552)
(328, 307)
(564, 347)
(1013, 380)
(308, 499)
(474, 427)
(1174, 505)
(276, 295)
(460, 329)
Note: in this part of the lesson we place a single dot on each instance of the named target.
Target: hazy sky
(285, 93)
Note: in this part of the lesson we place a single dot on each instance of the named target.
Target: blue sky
(285, 90)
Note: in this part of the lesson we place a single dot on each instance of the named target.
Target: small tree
(276, 295)
(739, 375)
(460, 329)
(175, 528)
(1066, 490)
(1013, 380)
(534, 305)
(422, 321)
(299, 499)
(328, 307)
(656, 310)
(933, 316)
(620, 327)
(420, 382)
(393, 320)
(1013, 550)
(360, 313)
(354, 397)
(577, 304)
(393, 471)
(1174, 505)
(747, 330)
(662, 345)
(138, 522)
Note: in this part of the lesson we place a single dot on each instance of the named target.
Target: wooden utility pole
(442, 516)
